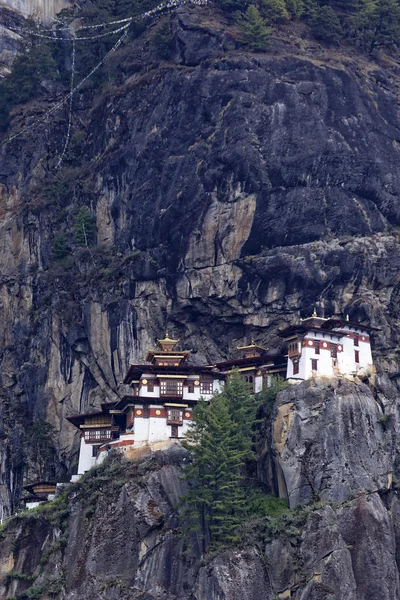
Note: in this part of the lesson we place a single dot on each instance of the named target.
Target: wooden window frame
(314, 363)
(357, 356)
(206, 387)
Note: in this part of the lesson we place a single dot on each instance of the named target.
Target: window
(191, 387)
(97, 435)
(95, 451)
(316, 346)
(150, 386)
(355, 340)
(170, 387)
(357, 356)
(174, 416)
(333, 351)
(295, 367)
(174, 431)
(206, 387)
(314, 364)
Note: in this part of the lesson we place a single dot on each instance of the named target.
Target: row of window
(175, 388)
(314, 362)
(97, 435)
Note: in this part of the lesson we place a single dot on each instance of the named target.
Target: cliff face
(231, 191)
(13, 14)
(118, 536)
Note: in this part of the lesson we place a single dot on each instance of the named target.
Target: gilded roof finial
(315, 312)
(347, 318)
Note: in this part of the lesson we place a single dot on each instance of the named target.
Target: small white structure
(39, 492)
(328, 348)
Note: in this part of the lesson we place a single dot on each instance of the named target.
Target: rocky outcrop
(330, 439)
(120, 538)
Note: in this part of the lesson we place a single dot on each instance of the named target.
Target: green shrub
(163, 40)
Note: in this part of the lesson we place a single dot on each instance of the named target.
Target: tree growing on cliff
(254, 30)
(274, 10)
(40, 449)
(221, 442)
(85, 227)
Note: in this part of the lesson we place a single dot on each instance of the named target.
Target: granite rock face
(331, 439)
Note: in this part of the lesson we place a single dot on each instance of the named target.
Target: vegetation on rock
(222, 444)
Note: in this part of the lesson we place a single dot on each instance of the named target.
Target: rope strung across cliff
(68, 96)
(171, 4)
(128, 20)
(58, 165)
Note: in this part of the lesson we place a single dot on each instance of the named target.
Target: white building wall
(158, 430)
(30, 505)
(144, 392)
(218, 387)
(347, 364)
(184, 429)
(86, 460)
(258, 383)
(141, 428)
(366, 360)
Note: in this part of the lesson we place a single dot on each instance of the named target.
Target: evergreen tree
(243, 411)
(40, 449)
(60, 247)
(274, 10)
(254, 29)
(232, 5)
(325, 25)
(216, 498)
(295, 8)
(377, 25)
(85, 228)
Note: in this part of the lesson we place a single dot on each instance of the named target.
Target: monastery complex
(166, 387)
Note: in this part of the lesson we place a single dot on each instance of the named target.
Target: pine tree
(274, 10)
(243, 411)
(218, 443)
(60, 247)
(377, 24)
(325, 25)
(295, 8)
(254, 29)
(85, 228)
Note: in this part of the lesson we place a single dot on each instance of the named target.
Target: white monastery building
(167, 387)
(328, 348)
